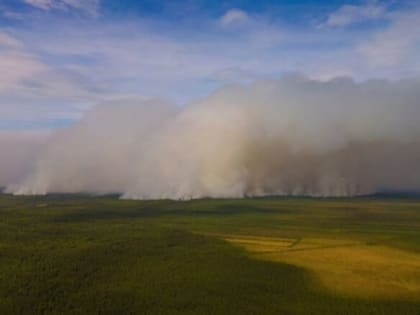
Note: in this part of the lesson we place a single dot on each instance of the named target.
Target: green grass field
(73, 254)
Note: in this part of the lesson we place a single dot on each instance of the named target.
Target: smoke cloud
(18, 154)
(292, 136)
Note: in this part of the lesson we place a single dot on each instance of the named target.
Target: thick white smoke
(18, 153)
(289, 136)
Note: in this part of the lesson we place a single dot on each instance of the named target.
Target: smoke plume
(292, 136)
(18, 154)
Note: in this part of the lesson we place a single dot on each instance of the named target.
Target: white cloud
(397, 46)
(234, 74)
(25, 73)
(90, 7)
(234, 17)
(41, 4)
(34, 93)
(12, 14)
(8, 41)
(17, 66)
(15, 63)
(351, 14)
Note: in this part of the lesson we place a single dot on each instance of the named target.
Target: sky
(59, 58)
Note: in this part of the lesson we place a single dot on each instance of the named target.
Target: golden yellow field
(343, 266)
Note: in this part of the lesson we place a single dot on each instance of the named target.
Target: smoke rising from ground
(18, 154)
(292, 136)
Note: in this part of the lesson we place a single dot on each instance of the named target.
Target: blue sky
(58, 58)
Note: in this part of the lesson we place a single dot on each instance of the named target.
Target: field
(75, 254)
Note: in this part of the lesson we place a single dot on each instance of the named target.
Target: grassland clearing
(344, 267)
